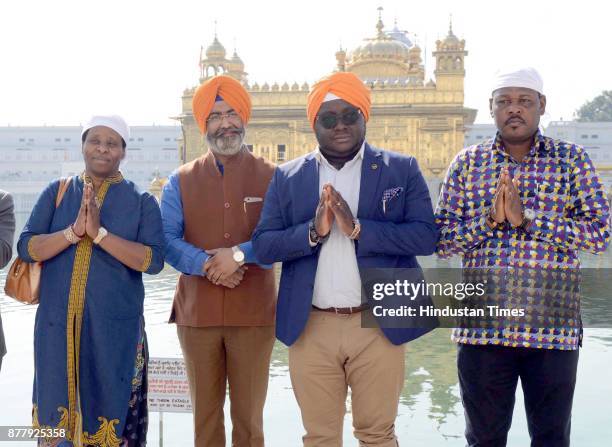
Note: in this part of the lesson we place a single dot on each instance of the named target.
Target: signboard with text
(168, 386)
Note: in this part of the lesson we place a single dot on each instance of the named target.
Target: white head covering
(114, 122)
(526, 77)
(330, 97)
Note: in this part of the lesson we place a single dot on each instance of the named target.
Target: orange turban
(229, 89)
(346, 86)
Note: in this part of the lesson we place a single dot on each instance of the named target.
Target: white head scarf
(526, 77)
(114, 122)
(330, 97)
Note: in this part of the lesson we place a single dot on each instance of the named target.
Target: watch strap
(491, 223)
(102, 233)
(525, 223)
(315, 237)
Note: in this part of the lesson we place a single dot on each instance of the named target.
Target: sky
(63, 60)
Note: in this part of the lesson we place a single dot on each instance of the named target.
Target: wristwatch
(102, 233)
(492, 223)
(315, 237)
(238, 255)
(528, 216)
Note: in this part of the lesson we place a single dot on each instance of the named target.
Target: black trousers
(488, 376)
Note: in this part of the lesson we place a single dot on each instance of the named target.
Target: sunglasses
(329, 120)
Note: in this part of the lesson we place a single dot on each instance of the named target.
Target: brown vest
(219, 211)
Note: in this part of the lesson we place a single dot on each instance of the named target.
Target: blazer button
(226, 235)
(227, 205)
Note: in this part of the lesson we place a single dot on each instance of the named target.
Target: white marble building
(30, 157)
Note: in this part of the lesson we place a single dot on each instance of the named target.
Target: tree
(598, 109)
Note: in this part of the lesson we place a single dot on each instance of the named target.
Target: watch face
(530, 214)
(239, 256)
(313, 234)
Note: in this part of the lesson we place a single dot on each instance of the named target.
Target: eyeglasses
(215, 118)
(329, 120)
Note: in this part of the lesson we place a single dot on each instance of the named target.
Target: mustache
(224, 132)
(515, 118)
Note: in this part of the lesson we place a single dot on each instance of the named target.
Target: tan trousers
(216, 356)
(333, 353)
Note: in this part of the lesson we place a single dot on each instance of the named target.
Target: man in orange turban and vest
(342, 208)
(225, 301)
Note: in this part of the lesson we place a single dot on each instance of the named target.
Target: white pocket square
(390, 194)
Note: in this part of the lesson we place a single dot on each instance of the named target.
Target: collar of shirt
(321, 158)
(540, 143)
(219, 166)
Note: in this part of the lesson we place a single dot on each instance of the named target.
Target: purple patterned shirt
(558, 182)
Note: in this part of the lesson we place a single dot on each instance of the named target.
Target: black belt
(343, 310)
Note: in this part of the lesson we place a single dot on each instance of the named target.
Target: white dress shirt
(337, 282)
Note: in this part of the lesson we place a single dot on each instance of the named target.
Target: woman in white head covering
(89, 340)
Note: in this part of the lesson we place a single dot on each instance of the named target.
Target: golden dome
(235, 63)
(215, 50)
(389, 56)
(451, 42)
(157, 184)
(382, 47)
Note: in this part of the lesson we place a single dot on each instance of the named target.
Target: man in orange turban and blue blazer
(225, 302)
(342, 208)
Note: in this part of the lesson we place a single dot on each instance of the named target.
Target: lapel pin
(374, 166)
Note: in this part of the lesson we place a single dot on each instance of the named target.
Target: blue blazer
(389, 239)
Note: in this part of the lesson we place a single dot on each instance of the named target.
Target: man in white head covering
(519, 77)
(527, 204)
(516, 104)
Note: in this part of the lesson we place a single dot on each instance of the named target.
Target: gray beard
(226, 145)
